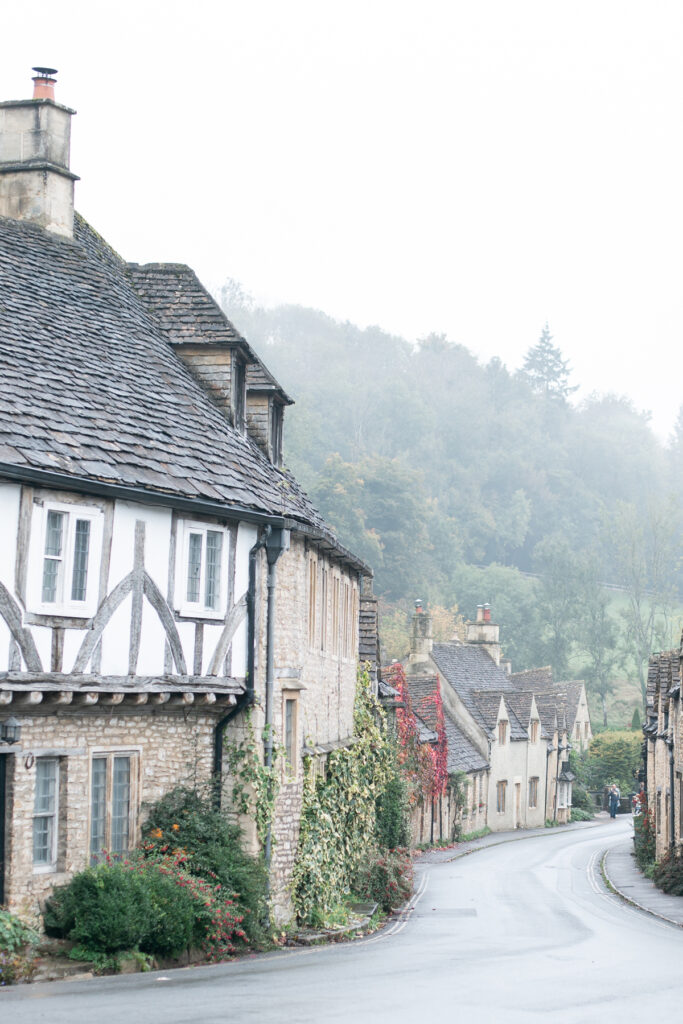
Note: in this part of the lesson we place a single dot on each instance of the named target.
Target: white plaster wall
(10, 495)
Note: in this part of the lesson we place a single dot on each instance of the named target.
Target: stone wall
(171, 750)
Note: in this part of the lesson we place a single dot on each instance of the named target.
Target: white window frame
(63, 603)
(198, 609)
(50, 865)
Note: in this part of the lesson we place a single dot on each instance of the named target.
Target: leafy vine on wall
(338, 813)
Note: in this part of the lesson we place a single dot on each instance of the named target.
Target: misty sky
(469, 168)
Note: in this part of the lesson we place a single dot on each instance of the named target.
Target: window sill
(199, 615)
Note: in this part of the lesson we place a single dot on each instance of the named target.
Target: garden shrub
(17, 941)
(644, 841)
(668, 874)
(186, 824)
(581, 799)
(386, 878)
(153, 906)
(579, 814)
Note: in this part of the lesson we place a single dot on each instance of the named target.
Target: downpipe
(245, 699)
(672, 803)
(277, 542)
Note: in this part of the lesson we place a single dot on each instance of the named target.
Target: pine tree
(544, 369)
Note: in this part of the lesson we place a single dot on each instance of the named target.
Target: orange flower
(156, 833)
(175, 827)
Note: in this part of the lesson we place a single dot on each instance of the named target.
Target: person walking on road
(614, 798)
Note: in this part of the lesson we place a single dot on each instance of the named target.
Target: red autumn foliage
(424, 764)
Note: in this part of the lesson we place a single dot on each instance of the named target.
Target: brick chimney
(36, 183)
(421, 641)
(484, 632)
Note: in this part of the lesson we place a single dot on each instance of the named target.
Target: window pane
(194, 567)
(42, 839)
(46, 785)
(53, 555)
(55, 530)
(45, 805)
(120, 805)
(80, 573)
(98, 806)
(289, 731)
(214, 547)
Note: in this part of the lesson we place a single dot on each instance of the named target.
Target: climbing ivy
(338, 813)
(254, 786)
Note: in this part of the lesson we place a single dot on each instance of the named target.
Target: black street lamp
(10, 731)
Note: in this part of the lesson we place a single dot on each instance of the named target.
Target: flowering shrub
(385, 878)
(644, 840)
(154, 906)
(185, 825)
(424, 765)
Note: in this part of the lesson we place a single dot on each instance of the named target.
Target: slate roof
(463, 756)
(468, 668)
(90, 386)
(534, 678)
(488, 702)
(261, 379)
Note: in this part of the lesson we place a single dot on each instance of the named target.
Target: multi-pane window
(346, 614)
(534, 731)
(312, 599)
(289, 729)
(336, 598)
(45, 807)
(203, 578)
(533, 792)
(111, 803)
(502, 731)
(500, 796)
(64, 541)
(323, 610)
(276, 417)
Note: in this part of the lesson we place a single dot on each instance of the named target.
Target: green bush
(644, 841)
(384, 878)
(579, 814)
(16, 948)
(152, 906)
(185, 824)
(582, 799)
(391, 813)
(668, 874)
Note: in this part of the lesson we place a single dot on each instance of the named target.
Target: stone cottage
(663, 751)
(511, 735)
(162, 573)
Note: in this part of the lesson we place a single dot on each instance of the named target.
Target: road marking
(403, 917)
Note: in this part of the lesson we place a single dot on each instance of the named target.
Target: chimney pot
(418, 606)
(487, 613)
(44, 83)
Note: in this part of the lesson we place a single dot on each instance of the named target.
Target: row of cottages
(161, 572)
(663, 751)
(510, 734)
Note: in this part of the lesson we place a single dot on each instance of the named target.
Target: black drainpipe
(246, 699)
(277, 541)
(672, 807)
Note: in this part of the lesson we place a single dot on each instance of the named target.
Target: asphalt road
(517, 932)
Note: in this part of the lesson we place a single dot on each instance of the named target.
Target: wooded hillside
(455, 478)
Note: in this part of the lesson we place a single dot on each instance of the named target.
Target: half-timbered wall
(133, 623)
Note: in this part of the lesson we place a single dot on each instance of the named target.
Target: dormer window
(502, 731)
(66, 543)
(533, 731)
(202, 570)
